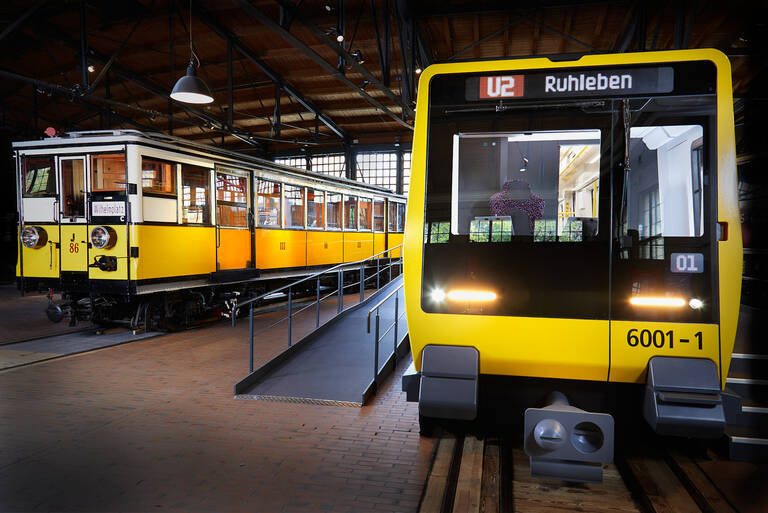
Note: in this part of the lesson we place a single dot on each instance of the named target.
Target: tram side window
(315, 202)
(378, 215)
(350, 212)
(268, 203)
(195, 187)
(400, 217)
(158, 177)
(365, 214)
(108, 172)
(543, 185)
(333, 211)
(39, 177)
(392, 217)
(294, 206)
(231, 200)
(664, 187)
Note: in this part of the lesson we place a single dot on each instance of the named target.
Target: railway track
(493, 476)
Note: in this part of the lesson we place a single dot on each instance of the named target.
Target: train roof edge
(122, 135)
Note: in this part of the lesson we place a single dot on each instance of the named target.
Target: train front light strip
(666, 302)
(471, 295)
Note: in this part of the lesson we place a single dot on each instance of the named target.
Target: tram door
(74, 228)
(234, 242)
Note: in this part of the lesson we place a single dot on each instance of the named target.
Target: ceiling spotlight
(91, 69)
(418, 70)
(340, 38)
(190, 88)
(328, 7)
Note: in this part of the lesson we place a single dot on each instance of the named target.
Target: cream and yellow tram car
(133, 225)
(573, 225)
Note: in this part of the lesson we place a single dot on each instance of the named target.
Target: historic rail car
(146, 226)
(573, 225)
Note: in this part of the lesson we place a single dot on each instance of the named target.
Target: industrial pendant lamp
(190, 88)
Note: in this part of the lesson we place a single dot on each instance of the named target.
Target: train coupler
(568, 443)
(683, 398)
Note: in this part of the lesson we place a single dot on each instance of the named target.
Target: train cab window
(365, 214)
(268, 203)
(294, 206)
(663, 187)
(350, 212)
(231, 200)
(315, 203)
(195, 185)
(108, 172)
(333, 211)
(378, 215)
(158, 177)
(532, 184)
(39, 177)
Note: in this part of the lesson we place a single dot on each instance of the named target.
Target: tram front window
(541, 184)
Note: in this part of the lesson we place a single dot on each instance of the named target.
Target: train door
(73, 214)
(663, 293)
(234, 237)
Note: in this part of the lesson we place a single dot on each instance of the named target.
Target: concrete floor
(152, 426)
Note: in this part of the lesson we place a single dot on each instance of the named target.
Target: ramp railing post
(250, 334)
(290, 308)
(317, 309)
(376, 351)
(362, 282)
(377, 273)
(389, 263)
(394, 351)
(340, 294)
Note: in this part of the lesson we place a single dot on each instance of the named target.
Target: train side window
(195, 185)
(158, 177)
(365, 214)
(294, 206)
(392, 217)
(231, 200)
(378, 215)
(315, 203)
(350, 212)
(333, 211)
(108, 172)
(268, 203)
(39, 177)
(400, 217)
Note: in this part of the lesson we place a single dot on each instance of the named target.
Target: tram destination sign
(572, 83)
(108, 208)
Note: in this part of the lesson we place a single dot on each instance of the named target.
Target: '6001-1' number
(658, 338)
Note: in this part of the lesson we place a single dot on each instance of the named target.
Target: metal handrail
(394, 324)
(311, 276)
(338, 269)
(376, 307)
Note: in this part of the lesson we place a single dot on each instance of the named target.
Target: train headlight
(695, 303)
(33, 237)
(103, 237)
(438, 295)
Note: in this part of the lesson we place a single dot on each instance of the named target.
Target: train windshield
(542, 184)
(551, 198)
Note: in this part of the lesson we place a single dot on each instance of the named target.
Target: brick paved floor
(30, 309)
(153, 426)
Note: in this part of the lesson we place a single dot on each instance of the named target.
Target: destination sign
(572, 83)
(108, 208)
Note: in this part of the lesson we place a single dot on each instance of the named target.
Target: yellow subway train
(147, 227)
(573, 229)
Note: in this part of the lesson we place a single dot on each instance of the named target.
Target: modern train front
(573, 234)
(73, 206)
